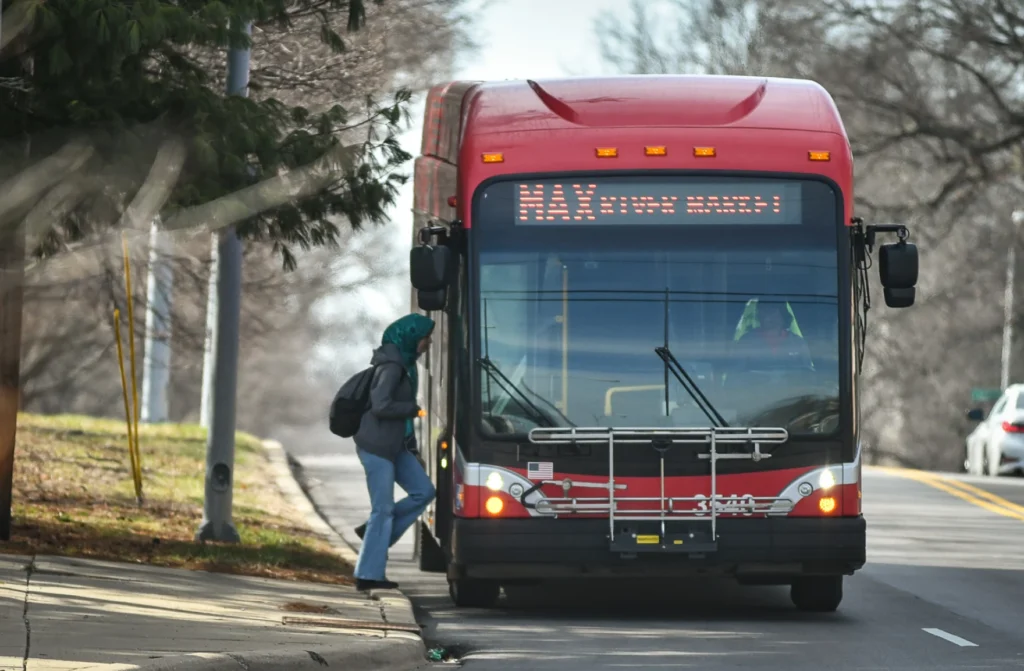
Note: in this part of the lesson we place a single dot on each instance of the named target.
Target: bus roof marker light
(656, 151)
(494, 505)
(493, 157)
(607, 152)
(704, 152)
(819, 155)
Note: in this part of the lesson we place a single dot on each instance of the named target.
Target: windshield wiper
(671, 363)
(536, 414)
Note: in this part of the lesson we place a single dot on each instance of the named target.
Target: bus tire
(817, 594)
(430, 554)
(473, 593)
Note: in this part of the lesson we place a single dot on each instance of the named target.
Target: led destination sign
(634, 202)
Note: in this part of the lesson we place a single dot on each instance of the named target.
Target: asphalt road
(942, 590)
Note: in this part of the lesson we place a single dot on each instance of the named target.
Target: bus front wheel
(817, 594)
(431, 556)
(473, 593)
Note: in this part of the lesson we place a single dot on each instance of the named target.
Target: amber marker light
(494, 505)
(704, 152)
(819, 155)
(656, 151)
(607, 152)
(493, 157)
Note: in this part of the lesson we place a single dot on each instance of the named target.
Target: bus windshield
(570, 318)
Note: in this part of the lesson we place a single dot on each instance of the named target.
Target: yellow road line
(983, 494)
(961, 490)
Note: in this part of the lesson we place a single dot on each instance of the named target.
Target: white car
(996, 446)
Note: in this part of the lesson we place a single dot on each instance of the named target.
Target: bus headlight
(494, 481)
(827, 480)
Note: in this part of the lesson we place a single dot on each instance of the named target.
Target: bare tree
(681, 36)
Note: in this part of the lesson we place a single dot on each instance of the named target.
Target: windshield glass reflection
(569, 338)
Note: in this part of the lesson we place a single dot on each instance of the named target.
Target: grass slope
(73, 495)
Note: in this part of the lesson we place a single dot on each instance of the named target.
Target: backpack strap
(404, 374)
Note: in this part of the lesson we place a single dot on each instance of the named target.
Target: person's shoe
(363, 585)
(361, 530)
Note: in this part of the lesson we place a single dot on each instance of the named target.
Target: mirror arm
(427, 232)
(442, 234)
(870, 232)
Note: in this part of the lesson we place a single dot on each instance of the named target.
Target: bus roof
(755, 124)
(705, 101)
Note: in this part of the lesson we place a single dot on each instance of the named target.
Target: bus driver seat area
(768, 338)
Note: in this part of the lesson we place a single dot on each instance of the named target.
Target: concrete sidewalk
(66, 613)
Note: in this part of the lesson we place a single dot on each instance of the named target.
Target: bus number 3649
(734, 504)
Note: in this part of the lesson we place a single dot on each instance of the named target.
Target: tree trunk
(12, 275)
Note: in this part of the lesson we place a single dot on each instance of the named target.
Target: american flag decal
(539, 470)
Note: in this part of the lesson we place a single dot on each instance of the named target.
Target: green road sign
(982, 395)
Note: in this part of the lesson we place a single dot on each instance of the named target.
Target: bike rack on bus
(625, 524)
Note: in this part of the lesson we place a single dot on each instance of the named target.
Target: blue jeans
(389, 520)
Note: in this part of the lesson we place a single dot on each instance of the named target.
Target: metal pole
(220, 442)
(1011, 267)
(211, 327)
(156, 366)
(1004, 374)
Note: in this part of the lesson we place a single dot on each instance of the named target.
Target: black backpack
(351, 401)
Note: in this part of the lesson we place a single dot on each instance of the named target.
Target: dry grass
(73, 495)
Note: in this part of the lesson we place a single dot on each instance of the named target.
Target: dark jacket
(382, 428)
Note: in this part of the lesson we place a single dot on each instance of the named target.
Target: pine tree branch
(268, 194)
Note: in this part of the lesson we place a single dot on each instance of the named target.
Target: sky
(518, 39)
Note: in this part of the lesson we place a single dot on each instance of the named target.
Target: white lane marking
(956, 640)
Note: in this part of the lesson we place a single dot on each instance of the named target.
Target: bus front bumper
(763, 550)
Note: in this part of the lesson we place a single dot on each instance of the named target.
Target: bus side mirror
(975, 415)
(429, 301)
(898, 269)
(430, 267)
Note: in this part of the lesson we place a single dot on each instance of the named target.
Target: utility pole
(1011, 267)
(217, 524)
(156, 366)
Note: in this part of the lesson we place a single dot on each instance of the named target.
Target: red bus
(651, 295)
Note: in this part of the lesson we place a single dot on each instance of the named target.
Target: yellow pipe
(616, 390)
(131, 351)
(124, 390)
(565, 341)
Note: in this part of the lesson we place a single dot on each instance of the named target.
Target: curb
(357, 654)
(396, 609)
(297, 498)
